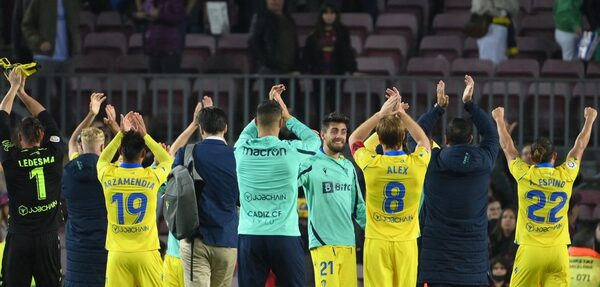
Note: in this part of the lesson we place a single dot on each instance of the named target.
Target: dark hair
(585, 237)
(319, 29)
(496, 235)
(31, 130)
(500, 260)
(131, 145)
(212, 120)
(542, 150)
(335, 117)
(492, 199)
(268, 113)
(575, 200)
(459, 131)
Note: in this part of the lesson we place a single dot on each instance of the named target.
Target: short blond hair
(391, 131)
(92, 135)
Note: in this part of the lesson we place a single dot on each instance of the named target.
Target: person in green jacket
(568, 22)
(334, 201)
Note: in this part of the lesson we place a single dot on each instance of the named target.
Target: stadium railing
(542, 107)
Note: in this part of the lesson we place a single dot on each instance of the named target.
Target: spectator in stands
(584, 260)
(499, 269)
(86, 224)
(597, 237)
(493, 46)
(454, 246)
(573, 211)
(273, 42)
(21, 52)
(51, 31)
(328, 51)
(591, 10)
(568, 22)
(164, 38)
(494, 211)
(502, 237)
(209, 258)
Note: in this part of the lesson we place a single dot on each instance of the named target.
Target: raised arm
(584, 136)
(363, 131)
(428, 120)
(111, 119)
(96, 100)
(185, 136)
(482, 121)
(32, 105)
(161, 155)
(15, 78)
(358, 204)
(506, 142)
(415, 131)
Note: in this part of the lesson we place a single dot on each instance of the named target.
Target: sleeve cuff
(291, 122)
(355, 146)
(439, 110)
(469, 106)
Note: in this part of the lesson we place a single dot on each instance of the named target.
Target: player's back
(544, 192)
(130, 193)
(394, 183)
(267, 171)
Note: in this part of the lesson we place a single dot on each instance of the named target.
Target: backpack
(180, 209)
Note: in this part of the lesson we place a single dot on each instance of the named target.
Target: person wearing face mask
(502, 237)
(499, 272)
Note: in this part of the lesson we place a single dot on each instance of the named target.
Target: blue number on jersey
(558, 195)
(390, 198)
(131, 209)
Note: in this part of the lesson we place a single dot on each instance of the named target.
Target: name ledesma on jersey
(36, 161)
(128, 181)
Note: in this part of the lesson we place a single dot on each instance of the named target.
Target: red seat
(112, 21)
(593, 70)
(419, 8)
(387, 46)
(136, 44)
(541, 26)
(191, 64)
(366, 97)
(359, 23)
(457, 5)
(132, 64)
(552, 98)
(92, 63)
(542, 6)
(376, 65)
(357, 44)
(448, 46)
(470, 49)
(222, 91)
(169, 93)
(112, 44)
(473, 67)
(533, 48)
(435, 67)
(87, 21)
(405, 25)
(562, 69)
(508, 94)
(514, 68)
(450, 23)
(199, 45)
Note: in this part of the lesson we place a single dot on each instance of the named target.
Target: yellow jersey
(544, 192)
(131, 195)
(394, 183)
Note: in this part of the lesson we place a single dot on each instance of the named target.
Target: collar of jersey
(544, 164)
(130, 165)
(394, 153)
(326, 155)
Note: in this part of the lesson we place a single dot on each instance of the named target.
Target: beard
(335, 148)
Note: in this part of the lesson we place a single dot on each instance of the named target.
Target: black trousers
(28, 255)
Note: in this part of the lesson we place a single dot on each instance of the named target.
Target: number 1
(40, 181)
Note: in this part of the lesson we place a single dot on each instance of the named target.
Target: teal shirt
(172, 242)
(267, 173)
(334, 200)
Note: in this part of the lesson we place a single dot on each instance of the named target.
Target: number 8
(390, 198)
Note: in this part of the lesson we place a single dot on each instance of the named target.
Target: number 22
(542, 202)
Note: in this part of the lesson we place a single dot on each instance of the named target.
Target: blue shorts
(257, 254)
